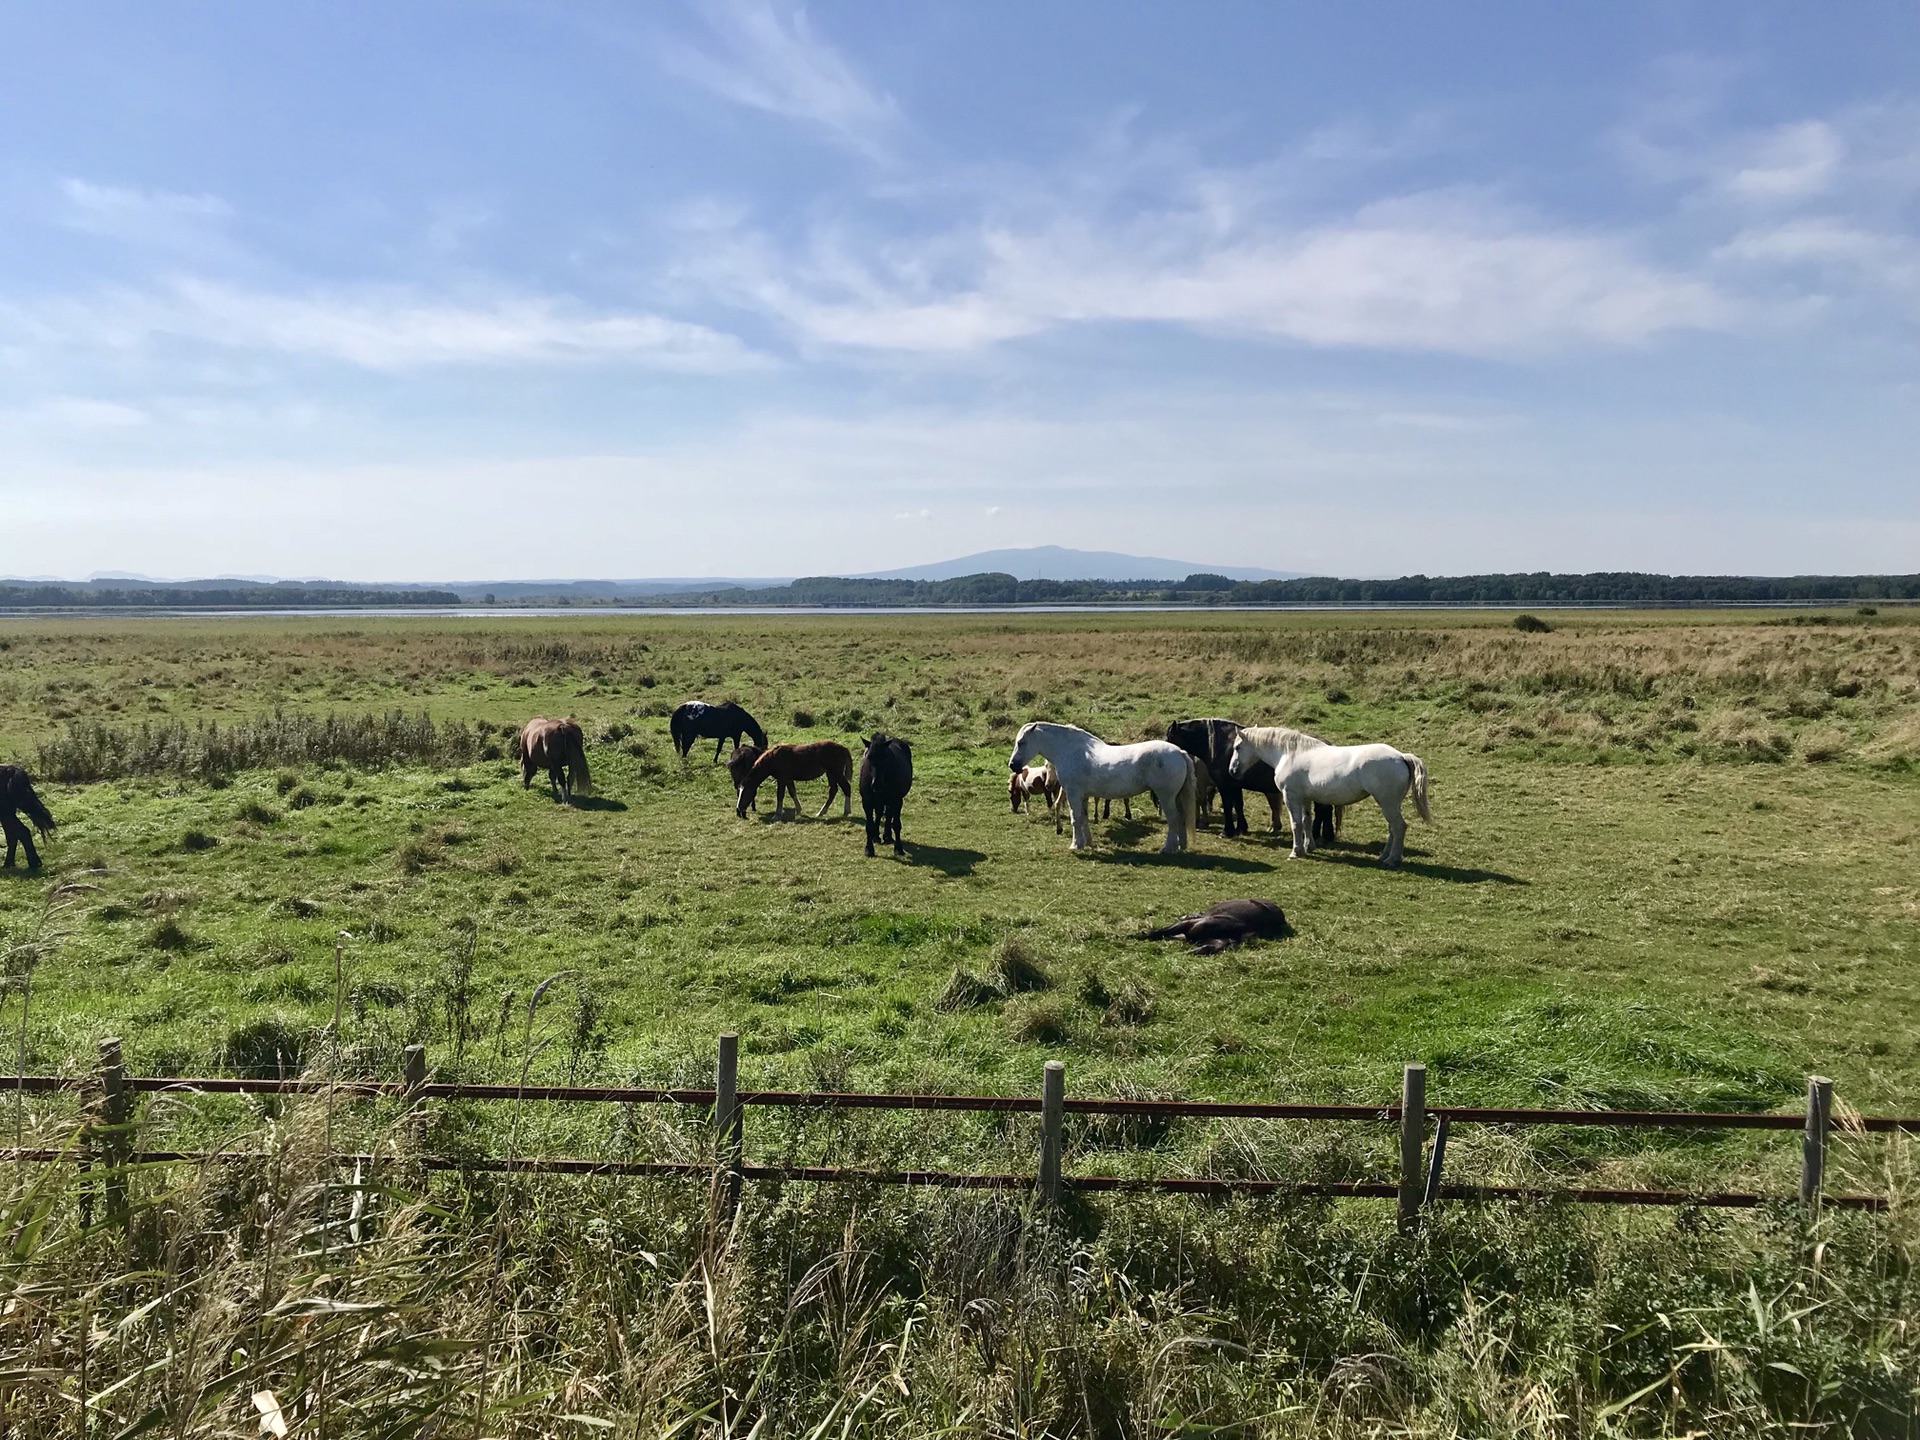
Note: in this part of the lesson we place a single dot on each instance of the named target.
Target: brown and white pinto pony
(1031, 783)
(559, 748)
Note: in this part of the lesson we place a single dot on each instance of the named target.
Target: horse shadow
(1184, 860)
(597, 802)
(1454, 874)
(948, 860)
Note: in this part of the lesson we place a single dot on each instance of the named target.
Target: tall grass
(209, 750)
(394, 1304)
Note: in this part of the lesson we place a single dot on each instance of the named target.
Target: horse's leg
(1176, 829)
(1233, 810)
(832, 786)
(874, 830)
(1396, 829)
(1077, 808)
(1273, 804)
(1302, 831)
(11, 826)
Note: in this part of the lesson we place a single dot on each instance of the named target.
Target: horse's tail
(1419, 769)
(1189, 801)
(24, 797)
(582, 777)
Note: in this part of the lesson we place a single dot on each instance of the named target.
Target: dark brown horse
(16, 795)
(886, 774)
(751, 767)
(559, 748)
(1210, 742)
(697, 720)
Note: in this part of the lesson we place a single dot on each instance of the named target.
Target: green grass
(1672, 866)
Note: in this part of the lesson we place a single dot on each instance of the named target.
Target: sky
(567, 288)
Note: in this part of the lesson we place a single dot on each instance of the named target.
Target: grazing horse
(1034, 782)
(886, 774)
(1336, 775)
(784, 764)
(697, 720)
(1089, 768)
(1210, 742)
(559, 748)
(16, 795)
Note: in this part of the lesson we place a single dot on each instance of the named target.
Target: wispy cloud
(147, 218)
(373, 328)
(1440, 272)
(766, 55)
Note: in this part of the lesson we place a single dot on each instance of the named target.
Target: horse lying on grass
(559, 748)
(16, 796)
(886, 775)
(1089, 768)
(1229, 922)
(697, 720)
(751, 767)
(1336, 775)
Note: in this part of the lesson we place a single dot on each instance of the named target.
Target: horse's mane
(1279, 737)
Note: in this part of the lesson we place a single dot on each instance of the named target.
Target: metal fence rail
(107, 1143)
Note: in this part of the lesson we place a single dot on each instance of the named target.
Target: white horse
(1336, 775)
(1088, 767)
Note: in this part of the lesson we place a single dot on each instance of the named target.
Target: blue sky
(438, 290)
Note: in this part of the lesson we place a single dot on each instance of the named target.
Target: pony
(1225, 923)
(1336, 775)
(559, 748)
(16, 795)
(886, 775)
(784, 764)
(1210, 743)
(697, 720)
(1034, 782)
(1088, 767)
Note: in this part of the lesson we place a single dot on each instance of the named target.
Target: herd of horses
(1061, 767)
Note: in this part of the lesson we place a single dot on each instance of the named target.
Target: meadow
(1672, 866)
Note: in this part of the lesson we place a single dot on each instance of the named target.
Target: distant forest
(1540, 588)
(280, 596)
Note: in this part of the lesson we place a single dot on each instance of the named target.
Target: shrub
(267, 1048)
(1040, 1020)
(803, 720)
(257, 813)
(1132, 1005)
(197, 840)
(1015, 970)
(964, 990)
(169, 935)
(1531, 625)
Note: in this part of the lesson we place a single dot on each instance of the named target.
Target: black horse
(16, 795)
(1210, 743)
(697, 720)
(886, 774)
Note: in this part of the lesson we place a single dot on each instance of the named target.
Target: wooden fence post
(413, 1075)
(1053, 1114)
(1413, 1135)
(1813, 1146)
(113, 1116)
(729, 1129)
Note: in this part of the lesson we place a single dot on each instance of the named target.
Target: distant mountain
(1056, 562)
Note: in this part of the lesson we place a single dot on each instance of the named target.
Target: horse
(886, 775)
(1225, 923)
(784, 764)
(1088, 767)
(1034, 782)
(1337, 775)
(697, 720)
(16, 795)
(559, 748)
(1210, 743)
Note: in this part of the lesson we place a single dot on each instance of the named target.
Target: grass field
(1673, 864)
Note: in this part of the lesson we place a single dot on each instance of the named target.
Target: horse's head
(1024, 746)
(1243, 755)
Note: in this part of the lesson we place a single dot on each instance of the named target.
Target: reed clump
(208, 750)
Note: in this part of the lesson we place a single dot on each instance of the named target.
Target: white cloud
(149, 219)
(1791, 162)
(768, 57)
(1439, 272)
(374, 328)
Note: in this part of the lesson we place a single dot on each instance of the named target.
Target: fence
(1419, 1183)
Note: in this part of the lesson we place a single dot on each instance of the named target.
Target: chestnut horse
(751, 766)
(559, 748)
